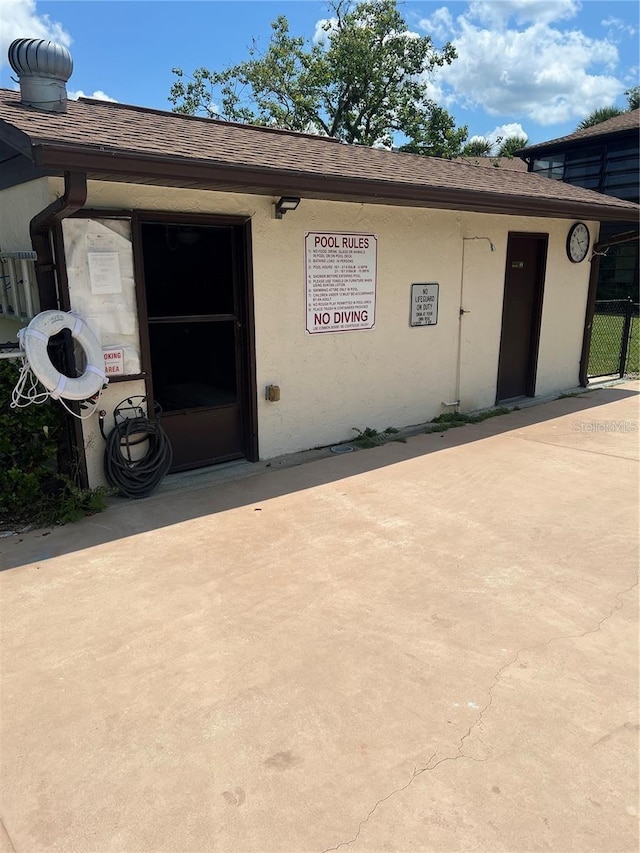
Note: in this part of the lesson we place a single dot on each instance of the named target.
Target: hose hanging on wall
(135, 475)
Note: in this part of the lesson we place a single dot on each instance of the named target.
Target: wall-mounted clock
(578, 240)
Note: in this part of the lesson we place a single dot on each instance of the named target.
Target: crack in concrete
(428, 767)
(5, 832)
(416, 772)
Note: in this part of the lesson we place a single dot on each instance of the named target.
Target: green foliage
(449, 420)
(32, 491)
(72, 503)
(28, 451)
(606, 338)
(598, 116)
(370, 437)
(633, 97)
(364, 82)
(510, 145)
(479, 147)
(439, 136)
(605, 113)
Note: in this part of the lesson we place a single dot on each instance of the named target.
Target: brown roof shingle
(488, 162)
(119, 142)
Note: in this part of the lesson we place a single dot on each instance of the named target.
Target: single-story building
(272, 290)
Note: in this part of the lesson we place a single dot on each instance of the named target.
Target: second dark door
(521, 315)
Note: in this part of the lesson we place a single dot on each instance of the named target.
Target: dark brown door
(521, 315)
(196, 321)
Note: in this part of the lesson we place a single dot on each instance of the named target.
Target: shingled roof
(627, 121)
(111, 141)
(489, 162)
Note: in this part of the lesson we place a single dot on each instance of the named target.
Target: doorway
(521, 315)
(197, 333)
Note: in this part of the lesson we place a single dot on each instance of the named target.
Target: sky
(524, 67)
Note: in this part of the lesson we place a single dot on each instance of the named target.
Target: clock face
(578, 242)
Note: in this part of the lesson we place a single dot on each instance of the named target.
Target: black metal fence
(615, 339)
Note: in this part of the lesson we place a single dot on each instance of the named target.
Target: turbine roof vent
(43, 68)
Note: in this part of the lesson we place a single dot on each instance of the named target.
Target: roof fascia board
(16, 139)
(271, 181)
(20, 170)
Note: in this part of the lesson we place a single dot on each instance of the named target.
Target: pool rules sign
(340, 281)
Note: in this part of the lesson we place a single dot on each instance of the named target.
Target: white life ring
(34, 340)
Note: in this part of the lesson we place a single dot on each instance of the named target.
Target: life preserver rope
(35, 339)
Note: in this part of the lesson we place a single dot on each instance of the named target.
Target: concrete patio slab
(427, 646)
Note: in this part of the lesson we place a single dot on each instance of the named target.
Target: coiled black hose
(137, 478)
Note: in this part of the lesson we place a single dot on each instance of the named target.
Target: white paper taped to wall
(104, 272)
(101, 280)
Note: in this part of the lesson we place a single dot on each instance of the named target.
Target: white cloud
(523, 11)
(98, 95)
(503, 132)
(440, 94)
(20, 20)
(323, 27)
(540, 72)
(500, 134)
(621, 26)
(440, 24)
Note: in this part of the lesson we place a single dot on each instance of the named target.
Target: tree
(510, 145)
(598, 116)
(478, 146)
(366, 82)
(605, 113)
(633, 97)
(439, 137)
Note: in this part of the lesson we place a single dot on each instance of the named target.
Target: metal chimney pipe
(43, 68)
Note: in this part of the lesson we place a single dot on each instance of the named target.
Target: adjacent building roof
(111, 141)
(627, 121)
(512, 163)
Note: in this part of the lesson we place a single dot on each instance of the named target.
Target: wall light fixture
(284, 204)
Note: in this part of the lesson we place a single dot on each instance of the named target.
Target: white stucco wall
(18, 206)
(563, 312)
(393, 375)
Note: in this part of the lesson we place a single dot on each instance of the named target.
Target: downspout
(74, 198)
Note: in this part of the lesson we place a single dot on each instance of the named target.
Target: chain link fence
(615, 337)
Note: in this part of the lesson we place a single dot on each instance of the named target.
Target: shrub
(32, 488)
(369, 437)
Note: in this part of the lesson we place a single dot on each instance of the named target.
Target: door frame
(536, 314)
(243, 270)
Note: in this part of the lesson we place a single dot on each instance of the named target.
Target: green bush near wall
(32, 489)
